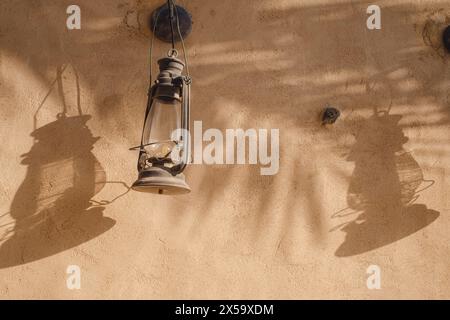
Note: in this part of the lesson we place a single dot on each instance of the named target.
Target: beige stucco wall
(373, 189)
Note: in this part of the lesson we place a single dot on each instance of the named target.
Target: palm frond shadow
(297, 59)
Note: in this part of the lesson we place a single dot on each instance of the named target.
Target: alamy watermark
(73, 21)
(73, 281)
(235, 146)
(374, 279)
(374, 20)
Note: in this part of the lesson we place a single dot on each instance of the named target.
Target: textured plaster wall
(371, 189)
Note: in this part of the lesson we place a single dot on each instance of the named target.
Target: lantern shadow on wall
(53, 207)
(385, 184)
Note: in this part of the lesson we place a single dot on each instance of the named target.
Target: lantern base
(159, 181)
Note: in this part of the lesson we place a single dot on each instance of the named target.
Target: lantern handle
(172, 53)
(151, 47)
(171, 6)
(147, 111)
(185, 124)
(181, 38)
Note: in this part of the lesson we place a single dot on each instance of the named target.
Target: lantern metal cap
(167, 87)
(171, 63)
(160, 181)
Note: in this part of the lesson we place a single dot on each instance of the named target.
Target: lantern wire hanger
(173, 52)
(173, 14)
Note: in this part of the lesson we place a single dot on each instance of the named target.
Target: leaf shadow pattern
(383, 188)
(280, 50)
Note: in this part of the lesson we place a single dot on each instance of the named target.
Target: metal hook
(172, 53)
